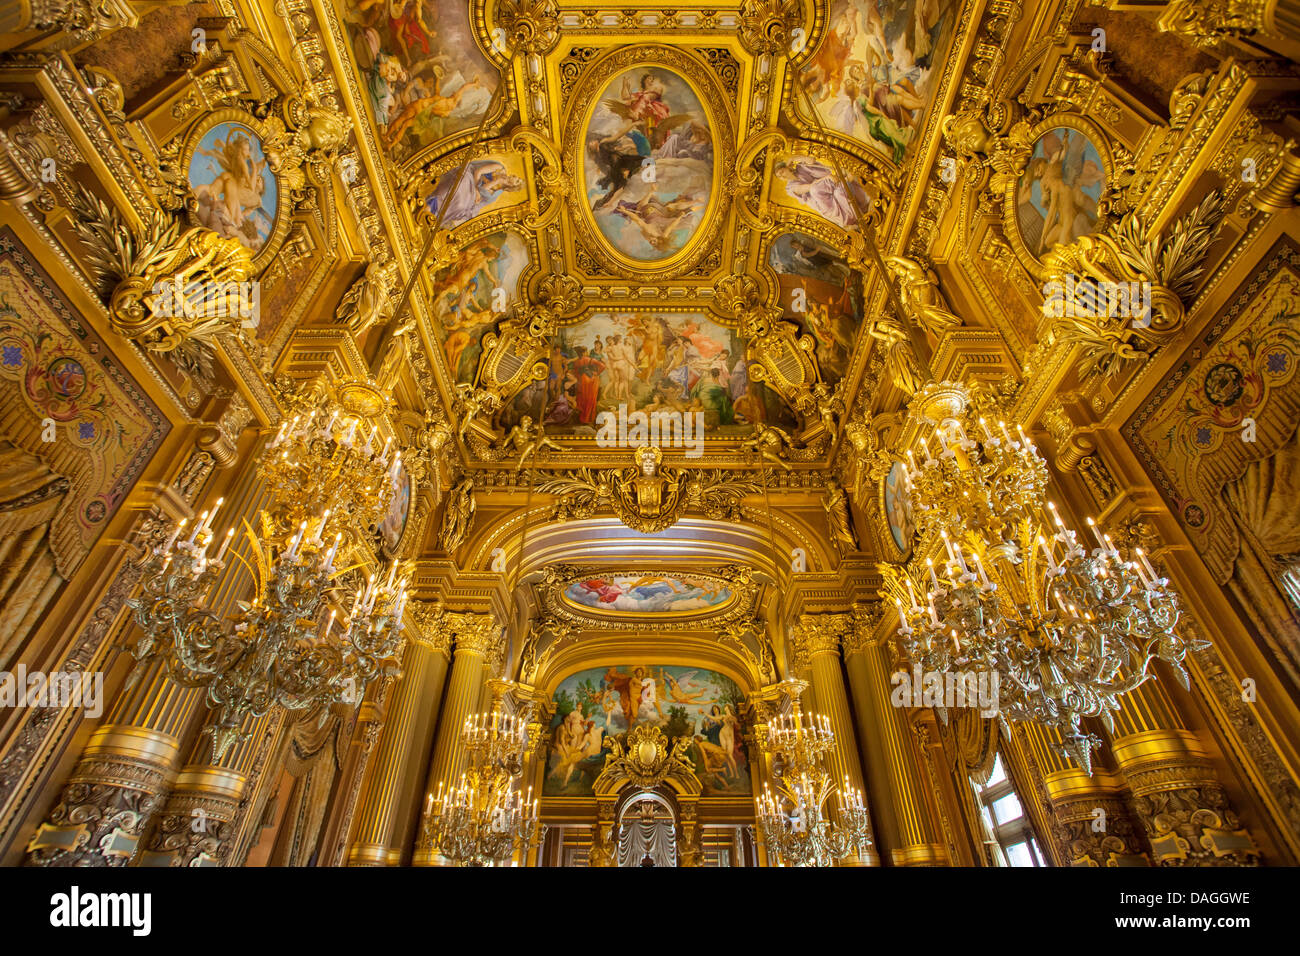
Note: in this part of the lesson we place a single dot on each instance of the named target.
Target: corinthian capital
(431, 628)
(818, 634)
(473, 632)
(864, 619)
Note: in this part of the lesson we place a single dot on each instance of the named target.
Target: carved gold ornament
(648, 497)
(171, 290)
(645, 758)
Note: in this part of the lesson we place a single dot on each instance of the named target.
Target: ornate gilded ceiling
(646, 208)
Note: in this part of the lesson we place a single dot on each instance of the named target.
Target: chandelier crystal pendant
(794, 818)
(485, 818)
(299, 643)
(1060, 628)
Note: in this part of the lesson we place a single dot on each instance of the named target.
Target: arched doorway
(646, 830)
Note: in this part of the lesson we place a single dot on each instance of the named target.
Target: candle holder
(485, 818)
(794, 818)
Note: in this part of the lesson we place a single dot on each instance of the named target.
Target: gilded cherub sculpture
(528, 439)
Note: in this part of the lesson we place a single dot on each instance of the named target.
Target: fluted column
(132, 760)
(392, 794)
(1093, 823)
(121, 780)
(1185, 810)
(900, 802)
(197, 825)
(475, 638)
(816, 644)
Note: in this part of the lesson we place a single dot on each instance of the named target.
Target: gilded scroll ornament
(645, 758)
(648, 496)
(779, 355)
(171, 290)
(1120, 296)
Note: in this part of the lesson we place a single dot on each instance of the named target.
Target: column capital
(431, 629)
(473, 632)
(864, 629)
(818, 634)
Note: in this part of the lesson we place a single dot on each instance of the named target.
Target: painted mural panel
(810, 273)
(424, 72)
(464, 299)
(393, 526)
(876, 68)
(811, 184)
(647, 593)
(683, 701)
(1057, 195)
(106, 428)
(648, 163)
(489, 183)
(683, 362)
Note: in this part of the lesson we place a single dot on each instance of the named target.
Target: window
(1010, 836)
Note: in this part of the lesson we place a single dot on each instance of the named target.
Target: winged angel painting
(1056, 198)
(425, 74)
(649, 163)
(873, 72)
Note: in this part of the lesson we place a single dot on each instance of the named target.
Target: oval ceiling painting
(646, 593)
(648, 163)
(1058, 193)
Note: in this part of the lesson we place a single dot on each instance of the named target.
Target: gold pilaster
(475, 637)
(389, 805)
(906, 829)
(816, 641)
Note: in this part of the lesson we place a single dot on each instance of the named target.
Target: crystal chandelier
(297, 645)
(485, 818)
(1063, 628)
(794, 819)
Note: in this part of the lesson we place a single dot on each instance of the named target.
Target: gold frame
(582, 104)
(1010, 219)
(886, 532)
(283, 210)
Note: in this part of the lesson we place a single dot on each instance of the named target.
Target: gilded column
(121, 780)
(197, 825)
(816, 646)
(1093, 824)
(899, 800)
(475, 638)
(392, 792)
(1188, 818)
(130, 761)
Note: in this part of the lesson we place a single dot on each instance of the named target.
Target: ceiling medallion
(650, 137)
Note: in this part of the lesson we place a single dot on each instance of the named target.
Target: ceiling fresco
(425, 75)
(870, 79)
(646, 593)
(671, 198)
